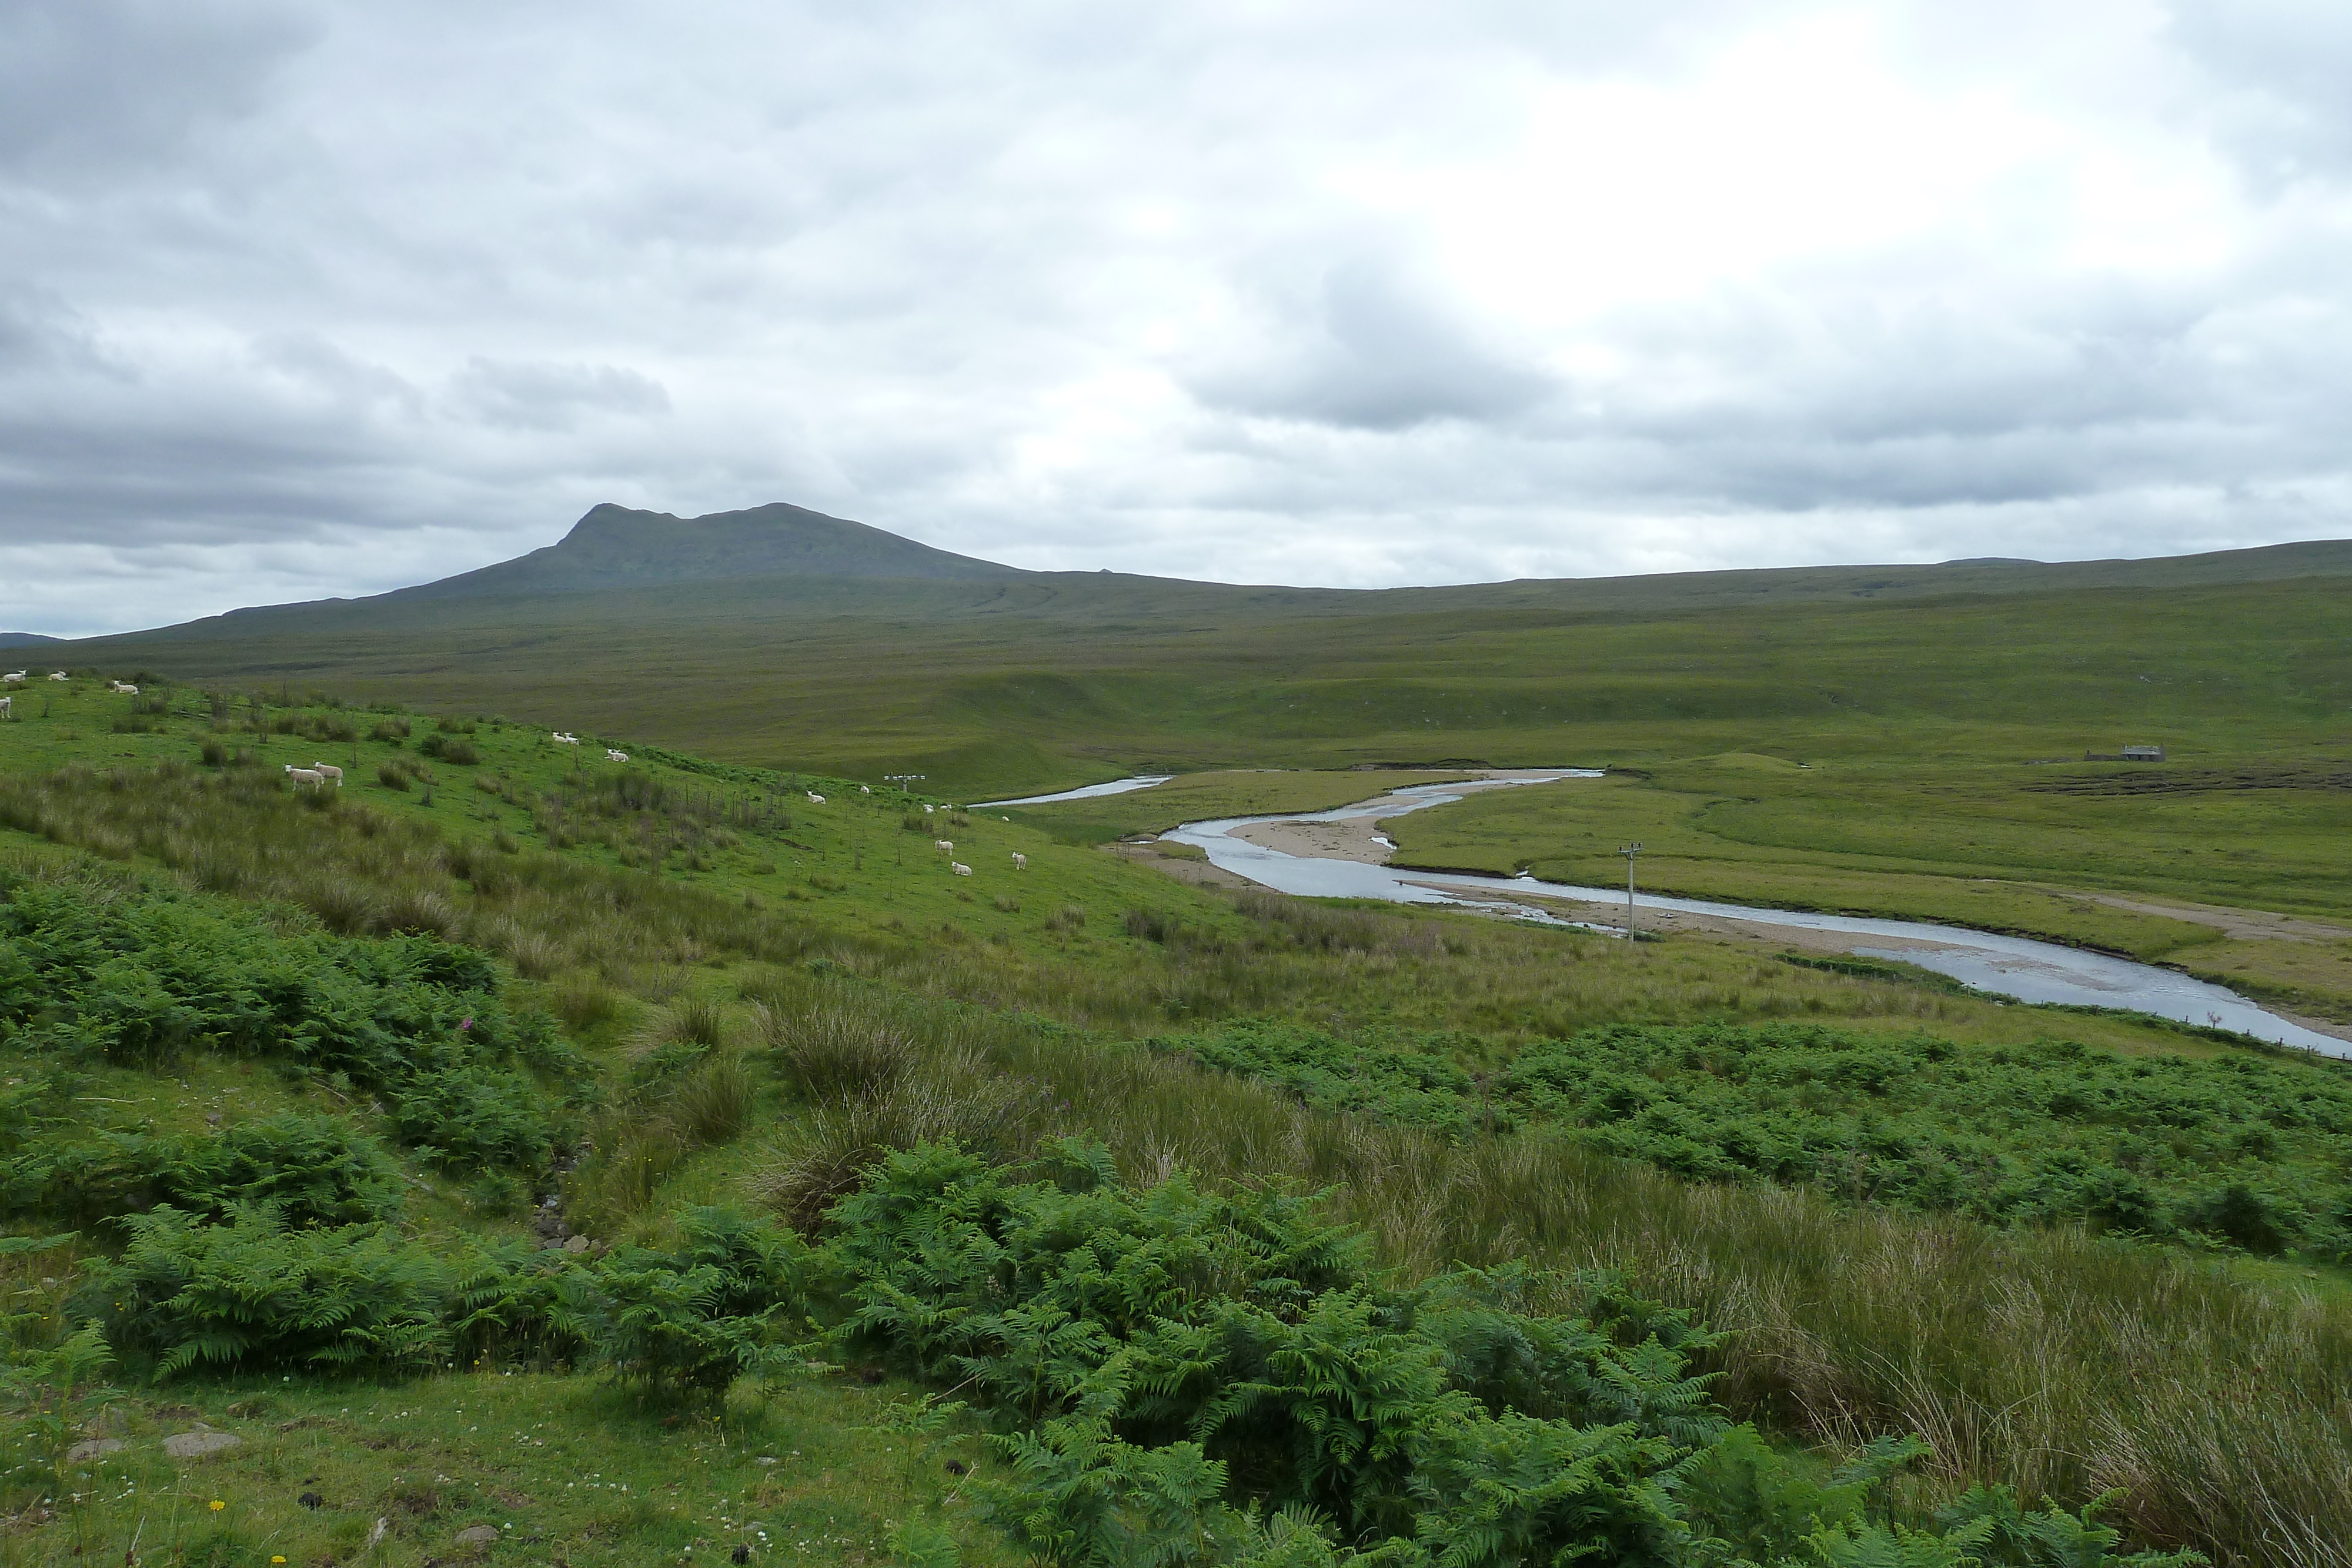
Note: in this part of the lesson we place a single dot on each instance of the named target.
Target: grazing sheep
(14, 677)
(7, 708)
(815, 799)
(866, 789)
(960, 868)
(928, 810)
(306, 775)
(562, 739)
(613, 756)
(329, 771)
(944, 846)
(1019, 861)
(125, 687)
(60, 675)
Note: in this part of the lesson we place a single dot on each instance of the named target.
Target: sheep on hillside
(613, 756)
(306, 775)
(960, 869)
(328, 771)
(1020, 860)
(945, 846)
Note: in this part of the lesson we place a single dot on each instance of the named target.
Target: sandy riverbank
(1357, 839)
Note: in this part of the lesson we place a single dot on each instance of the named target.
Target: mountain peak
(620, 546)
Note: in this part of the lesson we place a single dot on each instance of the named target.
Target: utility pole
(1628, 852)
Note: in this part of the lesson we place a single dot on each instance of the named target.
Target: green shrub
(726, 1303)
(392, 776)
(1166, 1365)
(310, 1170)
(473, 1119)
(449, 748)
(393, 730)
(2231, 1153)
(253, 1293)
(138, 977)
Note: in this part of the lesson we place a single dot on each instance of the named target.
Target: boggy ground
(724, 906)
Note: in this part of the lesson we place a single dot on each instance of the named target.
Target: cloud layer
(299, 299)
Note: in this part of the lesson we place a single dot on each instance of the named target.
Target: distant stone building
(2128, 754)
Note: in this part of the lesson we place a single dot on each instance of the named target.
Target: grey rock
(195, 1445)
(94, 1449)
(578, 1245)
(477, 1535)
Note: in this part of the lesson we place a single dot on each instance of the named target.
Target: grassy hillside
(694, 985)
(1013, 686)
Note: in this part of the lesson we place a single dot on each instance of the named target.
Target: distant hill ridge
(617, 547)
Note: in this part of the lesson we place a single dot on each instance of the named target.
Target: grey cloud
(1371, 350)
(544, 396)
(89, 85)
(2283, 67)
(40, 332)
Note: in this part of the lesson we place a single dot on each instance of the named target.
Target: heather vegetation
(631, 1158)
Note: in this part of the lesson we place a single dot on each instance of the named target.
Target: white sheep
(815, 799)
(960, 868)
(944, 846)
(329, 771)
(613, 756)
(306, 775)
(562, 739)
(928, 810)
(125, 687)
(60, 675)
(14, 677)
(866, 789)
(1020, 860)
(7, 708)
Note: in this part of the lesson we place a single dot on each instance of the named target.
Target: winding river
(2006, 966)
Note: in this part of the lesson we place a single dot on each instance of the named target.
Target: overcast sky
(299, 299)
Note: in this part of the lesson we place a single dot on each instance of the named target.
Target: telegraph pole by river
(1628, 852)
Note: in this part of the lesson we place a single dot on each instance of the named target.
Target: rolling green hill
(999, 686)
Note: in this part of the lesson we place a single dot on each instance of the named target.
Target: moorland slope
(295, 1074)
(991, 681)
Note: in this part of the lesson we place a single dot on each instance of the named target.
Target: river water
(1092, 791)
(2006, 966)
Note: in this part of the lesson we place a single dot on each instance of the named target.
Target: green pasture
(1017, 687)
